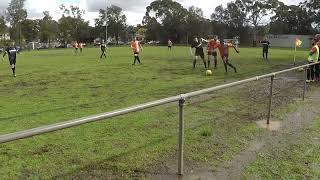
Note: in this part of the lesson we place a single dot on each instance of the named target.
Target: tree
(255, 11)
(230, 21)
(314, 10)
(291, 20)
(3, 26)
(172, 17)
(72, 26)
(48, 28)
(30, 29)
(15, 15)
(116, 22)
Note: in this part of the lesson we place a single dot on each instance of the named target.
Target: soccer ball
(208, 72)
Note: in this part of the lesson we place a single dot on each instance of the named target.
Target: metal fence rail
(180, 98)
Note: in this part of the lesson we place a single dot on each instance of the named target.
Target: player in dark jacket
(12, 55)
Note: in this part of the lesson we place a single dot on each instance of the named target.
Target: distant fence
(181, 102)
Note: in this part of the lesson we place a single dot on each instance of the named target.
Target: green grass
(56, 85)
(299, 159)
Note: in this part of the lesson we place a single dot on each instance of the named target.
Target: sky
(133, 9)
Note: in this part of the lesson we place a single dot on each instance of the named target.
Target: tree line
(166, 19)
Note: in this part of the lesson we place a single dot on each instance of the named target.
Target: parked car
(43, 46)
(153, 42)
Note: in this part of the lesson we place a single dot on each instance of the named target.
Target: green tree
(231, 21)
(72, 26)
(314, 11)
(256, 11)
(15, 15)
(30, 30)
(172, 17)
(291, 20)
(3, 26)
(116, 23)
(49, 28)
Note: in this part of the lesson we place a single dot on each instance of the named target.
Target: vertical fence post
(181, 135)
(270, 99)
(304, 82)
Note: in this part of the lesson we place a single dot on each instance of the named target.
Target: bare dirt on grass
(286, 89)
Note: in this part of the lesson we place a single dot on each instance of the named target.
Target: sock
(205, 64)
(138, 59)
(194, 63)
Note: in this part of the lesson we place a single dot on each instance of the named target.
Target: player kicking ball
(197, 44)
(12, 55)
(212, 53)
(224, 53)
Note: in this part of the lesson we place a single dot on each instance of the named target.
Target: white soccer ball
(208, 72)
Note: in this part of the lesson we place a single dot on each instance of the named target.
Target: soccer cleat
(14, 75)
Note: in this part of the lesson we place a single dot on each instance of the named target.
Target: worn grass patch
(293, 159)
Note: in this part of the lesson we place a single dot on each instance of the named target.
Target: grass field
(56, 85)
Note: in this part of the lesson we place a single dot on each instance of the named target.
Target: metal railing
(180, 99)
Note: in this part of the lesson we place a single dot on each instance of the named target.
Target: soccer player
(136, 47)
(169, 44)
(197, 44)
(103, 50)
(76, 47)
(265, 48)
(81, 47)
(224, 53)
(12, 55)
(212, 53)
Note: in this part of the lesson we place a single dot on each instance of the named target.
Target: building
(288, 40)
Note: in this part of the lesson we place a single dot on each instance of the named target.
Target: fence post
(181, 135)
(270, 99)
(304, 82)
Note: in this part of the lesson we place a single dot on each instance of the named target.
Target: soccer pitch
(57, 85)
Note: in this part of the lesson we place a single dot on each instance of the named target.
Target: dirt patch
(291, 127)
(272, 126)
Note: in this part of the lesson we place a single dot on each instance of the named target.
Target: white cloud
(134, 9)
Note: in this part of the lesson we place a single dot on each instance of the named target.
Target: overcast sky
(133, 9)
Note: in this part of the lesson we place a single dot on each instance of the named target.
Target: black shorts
(200, 53)
(13, 61)
(265, 50)
(136, 53)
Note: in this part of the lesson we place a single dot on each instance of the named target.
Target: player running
(81, 47)
(224, 53)
(103, 50)
(265, 48)
(12, 55)
(197, 44)
(169, 44)
(136, 47)
(212, 53)
(76, 47)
